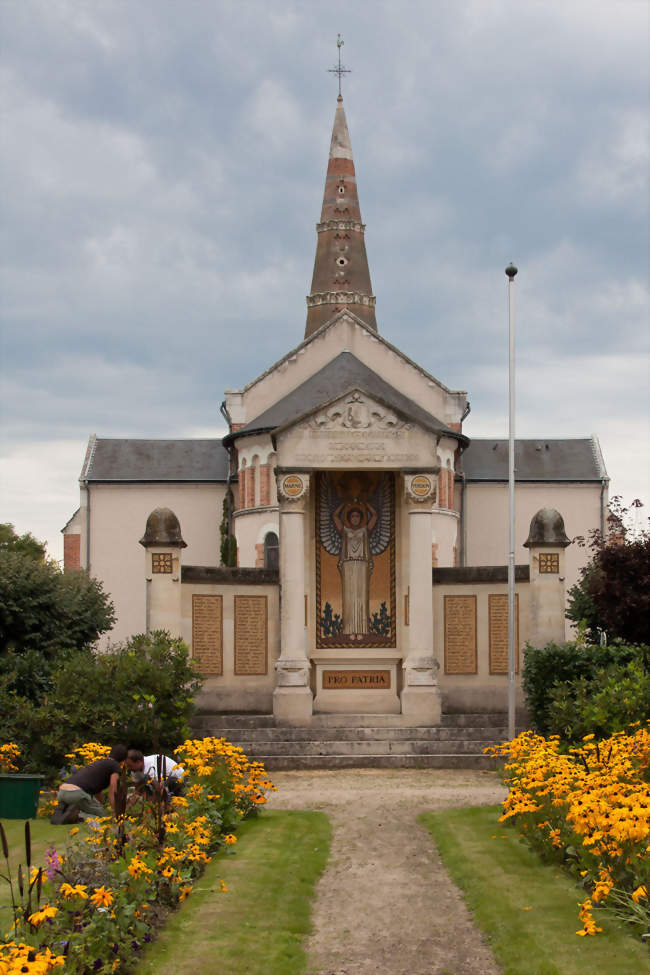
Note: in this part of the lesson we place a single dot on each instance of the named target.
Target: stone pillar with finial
(546, 543)
(163, 544)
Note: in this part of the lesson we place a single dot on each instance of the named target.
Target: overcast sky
(162, 170)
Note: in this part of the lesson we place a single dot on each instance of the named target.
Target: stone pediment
(356, 431)
(326, 390)
(355, 411)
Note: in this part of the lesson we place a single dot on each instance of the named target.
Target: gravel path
(385, 905)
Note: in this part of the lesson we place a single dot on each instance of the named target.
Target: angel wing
(381, 501)
(328, 501)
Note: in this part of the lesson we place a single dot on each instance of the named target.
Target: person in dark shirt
(78, 796)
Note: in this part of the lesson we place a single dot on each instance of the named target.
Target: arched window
(271, 551)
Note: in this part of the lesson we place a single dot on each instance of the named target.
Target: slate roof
(340, 376)
(156, 460)
(535, 460)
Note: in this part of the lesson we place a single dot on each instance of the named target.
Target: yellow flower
(102, 897)
(79, 890)
(229, 839)
(42, 915)
(137, 868)
(224, 889)
(640, 893)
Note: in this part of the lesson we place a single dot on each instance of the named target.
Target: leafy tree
(613, 592)
(23, 544)
(46, 610)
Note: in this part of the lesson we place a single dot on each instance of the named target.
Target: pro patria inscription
(460, 635)
(358, 680)
(251, 635)
(207, 634)
(498, 621)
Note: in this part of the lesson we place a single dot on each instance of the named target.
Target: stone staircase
(338, 741)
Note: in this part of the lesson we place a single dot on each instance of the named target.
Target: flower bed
(590, 809)
(92, 906)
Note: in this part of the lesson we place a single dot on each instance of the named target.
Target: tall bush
(562, 664)
(612, 594)
(615, 698)
(140, 693)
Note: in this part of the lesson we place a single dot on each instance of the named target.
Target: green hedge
(555, 664)
(140, 693)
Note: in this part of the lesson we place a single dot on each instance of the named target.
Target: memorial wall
(234, 635)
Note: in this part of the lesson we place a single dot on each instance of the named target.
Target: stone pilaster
(421, 698)
(292, 698)
(546, 544)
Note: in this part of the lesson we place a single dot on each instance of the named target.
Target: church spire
(341, 276)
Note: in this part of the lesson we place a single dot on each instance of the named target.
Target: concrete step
(331, 741)
(227, 720)
(277, 763)
(286, 733)
(361, 748)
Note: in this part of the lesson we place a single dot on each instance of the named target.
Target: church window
(341, 261)
(341, 190)
(271, 551)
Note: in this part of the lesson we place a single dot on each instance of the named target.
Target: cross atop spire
(340, 70)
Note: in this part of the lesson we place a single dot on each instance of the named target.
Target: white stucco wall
(118, 516)
(486, 520)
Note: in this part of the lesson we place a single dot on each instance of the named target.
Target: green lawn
(528, 910)
(259, 924)
(43, 836)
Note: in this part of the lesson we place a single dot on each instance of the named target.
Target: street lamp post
(511, 271)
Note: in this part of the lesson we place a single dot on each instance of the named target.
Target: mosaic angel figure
(355, 529)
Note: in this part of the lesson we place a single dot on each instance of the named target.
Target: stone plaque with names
(498, 624)
(251, 635)
(207, 634)
(356, 680)
(460, 635)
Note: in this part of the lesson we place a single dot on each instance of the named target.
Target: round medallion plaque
(293, 486)
(421, 485)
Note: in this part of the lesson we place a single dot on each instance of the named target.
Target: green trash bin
(19, 795)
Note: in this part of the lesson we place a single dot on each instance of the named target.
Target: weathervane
(341, 69)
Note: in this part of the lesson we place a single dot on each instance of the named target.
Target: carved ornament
(293, 488)
(356, 413)
(420, 489)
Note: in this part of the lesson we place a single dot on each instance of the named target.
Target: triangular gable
(343, 376)
(345, 332)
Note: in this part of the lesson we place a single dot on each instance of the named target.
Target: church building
(343, 548)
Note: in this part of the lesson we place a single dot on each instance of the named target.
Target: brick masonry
(250, 487)
(71, 552)
(265, 484)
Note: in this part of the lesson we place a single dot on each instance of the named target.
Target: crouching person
(146, 767)
(79, 795)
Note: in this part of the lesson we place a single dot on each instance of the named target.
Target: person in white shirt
(147, 766)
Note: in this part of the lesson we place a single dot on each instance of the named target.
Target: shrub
(556, 664)
(140, 693)
(616, 697)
